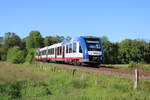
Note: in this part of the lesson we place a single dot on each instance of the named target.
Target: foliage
(122, 52)
(12, 41)
(3, 52)
(145, 47)
(47, 41)
(15, 55)
(126, 51)
(110, 51)
(31, 82)
(30, 56)
(3, 57)
(130, 51)
(34, 40)
(68, 38)
(132, 64)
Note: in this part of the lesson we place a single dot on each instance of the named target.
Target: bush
(132, 64)
(30, 56)
(15, 55)
(3, 57)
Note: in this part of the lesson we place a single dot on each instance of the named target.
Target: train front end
(92, 50)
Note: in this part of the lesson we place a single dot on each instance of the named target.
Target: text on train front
(93, 46)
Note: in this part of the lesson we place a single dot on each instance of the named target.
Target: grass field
(45, 82)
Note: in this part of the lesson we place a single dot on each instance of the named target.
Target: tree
(130, 50)
(9, 34)
(47, 41)
(15, 55)
(12, 41)
(61, 38)
(34, 40)
(68, 38)
(110, 51)
(145, 49)
(30, 56)
(56, 39)
(3, 52)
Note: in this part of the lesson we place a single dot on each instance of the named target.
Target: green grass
(45, 82)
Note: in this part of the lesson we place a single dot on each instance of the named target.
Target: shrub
(30, 55)
(135, 65)
(132, 64)
(3, 57)
(15, 55)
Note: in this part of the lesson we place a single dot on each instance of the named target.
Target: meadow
(46, 82)
(141, 67)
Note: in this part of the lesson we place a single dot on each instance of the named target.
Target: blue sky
(116, 19)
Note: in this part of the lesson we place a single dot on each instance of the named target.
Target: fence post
(136, 81)
(73, 72)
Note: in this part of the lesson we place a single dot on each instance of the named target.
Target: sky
(115, 19)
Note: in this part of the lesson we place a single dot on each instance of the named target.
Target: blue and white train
(77, 51)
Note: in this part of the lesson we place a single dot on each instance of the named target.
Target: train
(77, 51)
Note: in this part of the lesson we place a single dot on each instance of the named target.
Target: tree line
(17, 50)
(126, 51)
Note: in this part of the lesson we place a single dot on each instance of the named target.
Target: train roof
(68, 41)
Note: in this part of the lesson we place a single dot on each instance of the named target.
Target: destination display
(88, 41)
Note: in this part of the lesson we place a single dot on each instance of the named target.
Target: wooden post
(54, 69)
(136, 79)
(73, 72)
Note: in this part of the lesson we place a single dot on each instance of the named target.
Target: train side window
(44, 52)
(57, 50)
(52, 50)
(70, 48)
(48, 51)
(80, 49)
(60, 50)
(66, 48)
(74, 47)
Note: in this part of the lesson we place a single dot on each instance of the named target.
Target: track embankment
(106, 70)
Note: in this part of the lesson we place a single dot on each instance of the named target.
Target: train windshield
(93, 44)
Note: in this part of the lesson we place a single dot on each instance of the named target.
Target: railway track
(105, 70)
